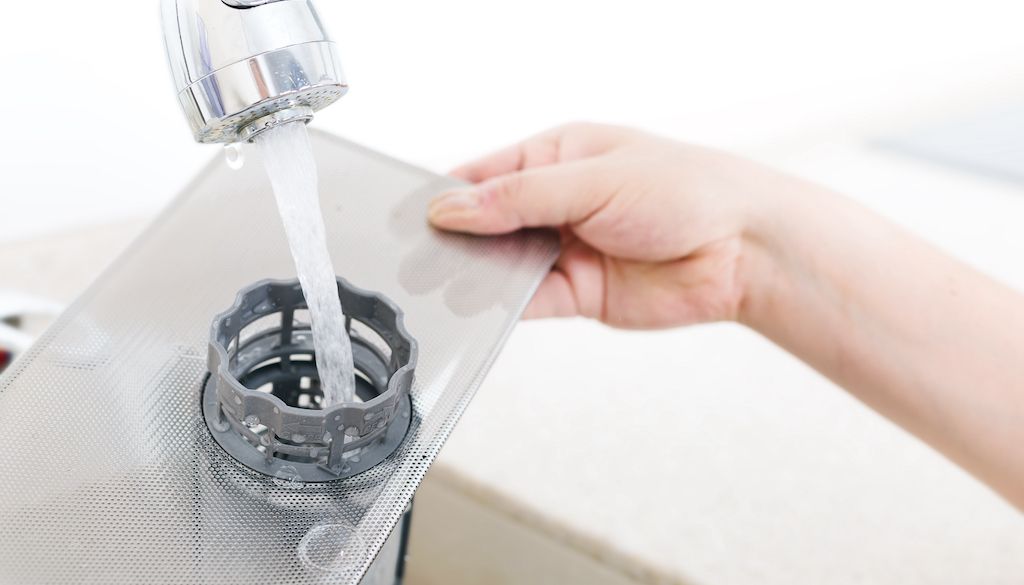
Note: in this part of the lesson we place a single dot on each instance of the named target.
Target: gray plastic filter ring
(261, 400)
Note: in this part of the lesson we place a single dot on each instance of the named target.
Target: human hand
(653, 231)
(658, 234)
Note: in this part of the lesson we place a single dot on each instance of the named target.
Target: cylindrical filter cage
(262, 400)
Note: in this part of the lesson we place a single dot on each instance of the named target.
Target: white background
(91, 131)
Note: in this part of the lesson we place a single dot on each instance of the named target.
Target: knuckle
(509, 189)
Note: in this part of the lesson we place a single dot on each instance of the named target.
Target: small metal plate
(110, 475)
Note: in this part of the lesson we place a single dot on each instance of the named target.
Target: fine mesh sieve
(111, 475)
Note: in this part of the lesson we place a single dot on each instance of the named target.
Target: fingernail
(455, 201)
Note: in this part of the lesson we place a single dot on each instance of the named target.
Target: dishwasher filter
(114, 475)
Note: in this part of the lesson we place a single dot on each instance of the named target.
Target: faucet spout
(241, 67)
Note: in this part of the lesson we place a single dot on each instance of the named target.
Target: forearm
(915, 334)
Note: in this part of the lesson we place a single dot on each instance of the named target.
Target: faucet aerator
(242, 67)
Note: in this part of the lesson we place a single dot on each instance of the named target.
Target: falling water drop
(234, 156)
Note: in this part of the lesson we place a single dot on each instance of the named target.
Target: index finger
(561, 144)
(538, 150)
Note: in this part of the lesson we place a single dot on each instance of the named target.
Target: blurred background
(758, 470)
(93, 131)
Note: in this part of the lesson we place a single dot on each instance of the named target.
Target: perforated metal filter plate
(109, 473)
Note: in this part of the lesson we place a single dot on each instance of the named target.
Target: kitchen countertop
(707, 455)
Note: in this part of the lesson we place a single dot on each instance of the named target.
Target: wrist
(757, 277)
(776, 250)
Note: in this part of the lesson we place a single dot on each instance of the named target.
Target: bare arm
(920, 337)
(661, 234)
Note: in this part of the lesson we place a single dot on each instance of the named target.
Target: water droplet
(332, 548)
(288, 477)
(234, 155)
(220, 425)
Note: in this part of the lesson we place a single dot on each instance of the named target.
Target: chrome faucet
(242, 67)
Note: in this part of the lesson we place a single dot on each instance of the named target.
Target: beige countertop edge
(600, 550)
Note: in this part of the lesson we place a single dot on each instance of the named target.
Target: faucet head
(242, 67)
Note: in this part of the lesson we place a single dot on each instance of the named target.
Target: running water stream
(289, 161)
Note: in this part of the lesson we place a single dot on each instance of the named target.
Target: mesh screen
(111, 475)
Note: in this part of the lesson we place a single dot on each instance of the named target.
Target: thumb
(546, 196)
